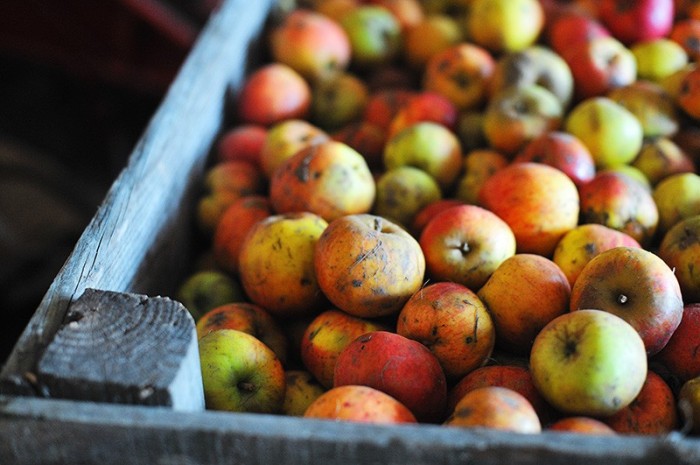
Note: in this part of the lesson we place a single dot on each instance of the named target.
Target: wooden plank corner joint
(126, 348)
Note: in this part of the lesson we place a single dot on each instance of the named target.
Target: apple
(335, 9)
(611, 132)
(286, 138)
(505, 25)
(425, 106)
(276, 264)
(206, 289)
(685, 31)
(241, 143)
(680, 356)
(600, 65)
(366, 138)
(658, 58)
(451, 321)
(688, 97)
(325, 336)
(367, 265)
(240, 373)
(572, 29)
(517, 114)
(689, 405)
(407, 12)
(677, 197)
(511, 376)
(465, 244)
(272, 93)
(338, 100)
(329, 179)
(224, 183)
(581, 425)
(631, 172)
(662, 157)
(311, 43)
(632, 22)
(588, 362)
(561, 150)
(434, 33)
(383, 105)
(522, 295)
(302, 390)
(680, 249)
(402, 192)
(620, 202)
(636, 285)
(429, 146)
(652, 412)
(536, 64)
(539, 203)
(653, 106)
(375, 35)
(398, 366)
(361, 404)
(577, 247)
(478, 166)
(234, 224)
(470, 130)
(461, 73)
(425, 214)
(249, 318)
(495, 407)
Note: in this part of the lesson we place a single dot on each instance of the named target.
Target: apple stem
(622, 299)
(246, 386)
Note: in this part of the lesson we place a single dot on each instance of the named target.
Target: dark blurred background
(79, 81)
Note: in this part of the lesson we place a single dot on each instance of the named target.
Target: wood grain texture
(138, 239)
(124, 348)
(34, 431)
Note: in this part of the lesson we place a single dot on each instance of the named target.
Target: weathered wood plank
(35, 430)
(138, 239)
(125, 348)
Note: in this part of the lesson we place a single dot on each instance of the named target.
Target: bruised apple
(453, 323)
(302, 390)
(367, 265)
(361, 404)
(522, 295)
(326, 336)
(495, 407)
(398, 366)
(465, 244)
(539, 203)
(276, 264)
(635, 285)
(330, 179)
(478, 166)
(402, 192)
(680, 249)
(286, 138)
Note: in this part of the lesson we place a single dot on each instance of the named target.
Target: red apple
(569, 30)
(681, 356)
(398, 366)
(361, 404)
(636, 285)
(639, 20)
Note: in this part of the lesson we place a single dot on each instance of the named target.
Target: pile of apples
(469, 213)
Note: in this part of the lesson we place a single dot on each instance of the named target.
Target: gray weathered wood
(138, 239)
(44, 431)
(125, 348)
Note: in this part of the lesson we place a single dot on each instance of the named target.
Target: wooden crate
(139, 242)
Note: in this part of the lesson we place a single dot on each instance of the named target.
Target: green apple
(588, 362)
(338, 100)
(612, 133)
(429, 146)
(677, 197)
(661, 157)
(653, 106)
(680, 249)
(402, 192)
(240, 373)
(505, 25)
(375, 35)
(302, 390)
(658, 58)
(207, 289)
(479, 165)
